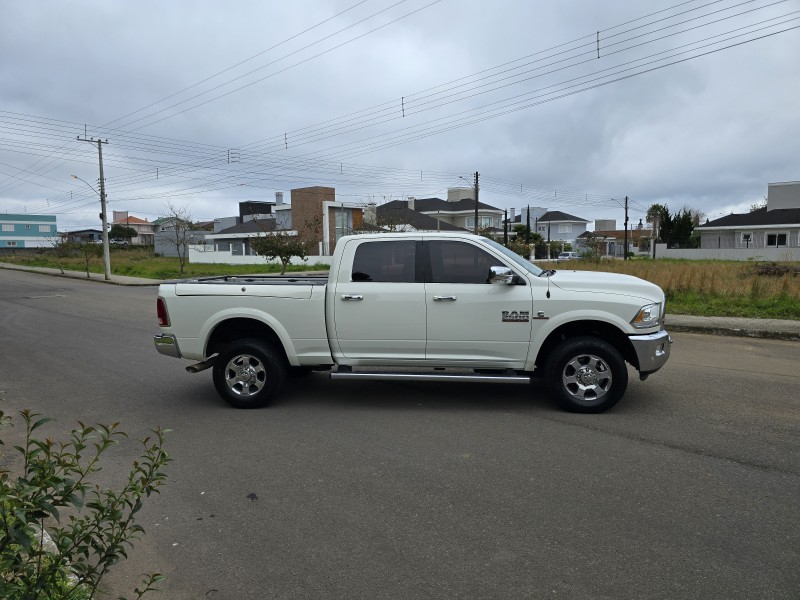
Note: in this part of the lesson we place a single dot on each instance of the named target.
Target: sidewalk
(115, 279)
(736, 326)
(776, 329)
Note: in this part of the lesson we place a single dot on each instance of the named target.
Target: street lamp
(104, 219)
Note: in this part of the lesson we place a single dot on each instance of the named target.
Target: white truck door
(469, 319)
(379, 305)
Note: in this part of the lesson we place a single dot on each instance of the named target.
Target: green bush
(59, 532)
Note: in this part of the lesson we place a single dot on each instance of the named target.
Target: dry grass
(725, 288)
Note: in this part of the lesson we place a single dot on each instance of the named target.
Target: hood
(608, 283)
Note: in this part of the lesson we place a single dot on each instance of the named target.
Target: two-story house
(27, 231)
(145, 230)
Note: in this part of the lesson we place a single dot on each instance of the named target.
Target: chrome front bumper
(652, 350)
(167, 344)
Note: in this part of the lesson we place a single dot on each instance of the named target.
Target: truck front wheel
(586, 375)
(248, 373)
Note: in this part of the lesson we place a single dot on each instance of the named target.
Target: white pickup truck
(442, 306)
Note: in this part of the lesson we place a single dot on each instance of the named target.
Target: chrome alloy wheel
(587, 378)
(245, 375)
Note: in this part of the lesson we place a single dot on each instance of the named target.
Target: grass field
(711, 288)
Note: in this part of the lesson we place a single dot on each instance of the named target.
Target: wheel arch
(603, 330)
(231, 328)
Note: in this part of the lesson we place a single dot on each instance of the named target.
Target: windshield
(514, 257)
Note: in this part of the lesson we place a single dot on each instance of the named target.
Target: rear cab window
(385, 261)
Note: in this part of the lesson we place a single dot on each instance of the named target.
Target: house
(612, 240)
(775, 226)
(457, 210)
(314, 215)
(557, 226)
(83, 236)
(27, 231)
(169, 232)
(399, 215)
(144, 228)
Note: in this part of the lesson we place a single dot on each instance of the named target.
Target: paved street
(687, 489)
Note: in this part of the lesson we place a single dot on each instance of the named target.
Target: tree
(122, 232)
(89, 250)
(178, 232)
(593, 247)
(280, 245)
(674, 230)
(759, 205)
(63, 248)
(46, 555)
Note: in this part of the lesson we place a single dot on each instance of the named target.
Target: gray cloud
(710, 133)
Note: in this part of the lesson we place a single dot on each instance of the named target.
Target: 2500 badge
(516, 316)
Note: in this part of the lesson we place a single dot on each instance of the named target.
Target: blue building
(27, 231)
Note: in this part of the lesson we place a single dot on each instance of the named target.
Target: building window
(8, 227)
(343, 223)
(237, 248)
(11, 244)
(747, 239)
(223, 246)
(564, 228)
(776, 240)
(470, 223)
(44, 228)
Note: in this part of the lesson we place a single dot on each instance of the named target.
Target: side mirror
(501, 276)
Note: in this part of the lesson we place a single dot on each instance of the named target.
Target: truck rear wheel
(248, 373)
(586, 375)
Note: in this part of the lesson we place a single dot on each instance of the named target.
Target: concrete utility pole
(625, 255)
(103, 217)
(476, 202)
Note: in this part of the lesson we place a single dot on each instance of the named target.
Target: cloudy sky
(568, 105)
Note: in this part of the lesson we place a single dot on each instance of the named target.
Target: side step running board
(470, 378)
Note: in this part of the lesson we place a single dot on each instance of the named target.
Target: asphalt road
(689, 488)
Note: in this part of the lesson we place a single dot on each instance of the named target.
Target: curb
(731, 331)
(94, 277)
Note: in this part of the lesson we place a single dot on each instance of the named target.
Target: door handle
(352, 297)
(444, 298)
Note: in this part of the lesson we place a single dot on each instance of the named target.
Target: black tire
(586, 375)
(249, 373)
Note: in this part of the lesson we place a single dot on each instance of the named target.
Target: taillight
(161, 309)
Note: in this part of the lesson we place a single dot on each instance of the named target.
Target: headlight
(648, 316)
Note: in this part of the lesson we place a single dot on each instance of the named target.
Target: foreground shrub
(60, 533)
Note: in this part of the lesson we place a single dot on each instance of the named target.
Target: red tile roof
(129, 220)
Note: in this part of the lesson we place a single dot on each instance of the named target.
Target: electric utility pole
(626, 229)
(476, 202)
(103, 217)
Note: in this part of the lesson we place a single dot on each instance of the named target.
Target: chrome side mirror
(501, 276)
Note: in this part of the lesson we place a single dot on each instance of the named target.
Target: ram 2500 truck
(442, 306)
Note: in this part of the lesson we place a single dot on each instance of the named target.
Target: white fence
(765, 254)
(206, 255)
